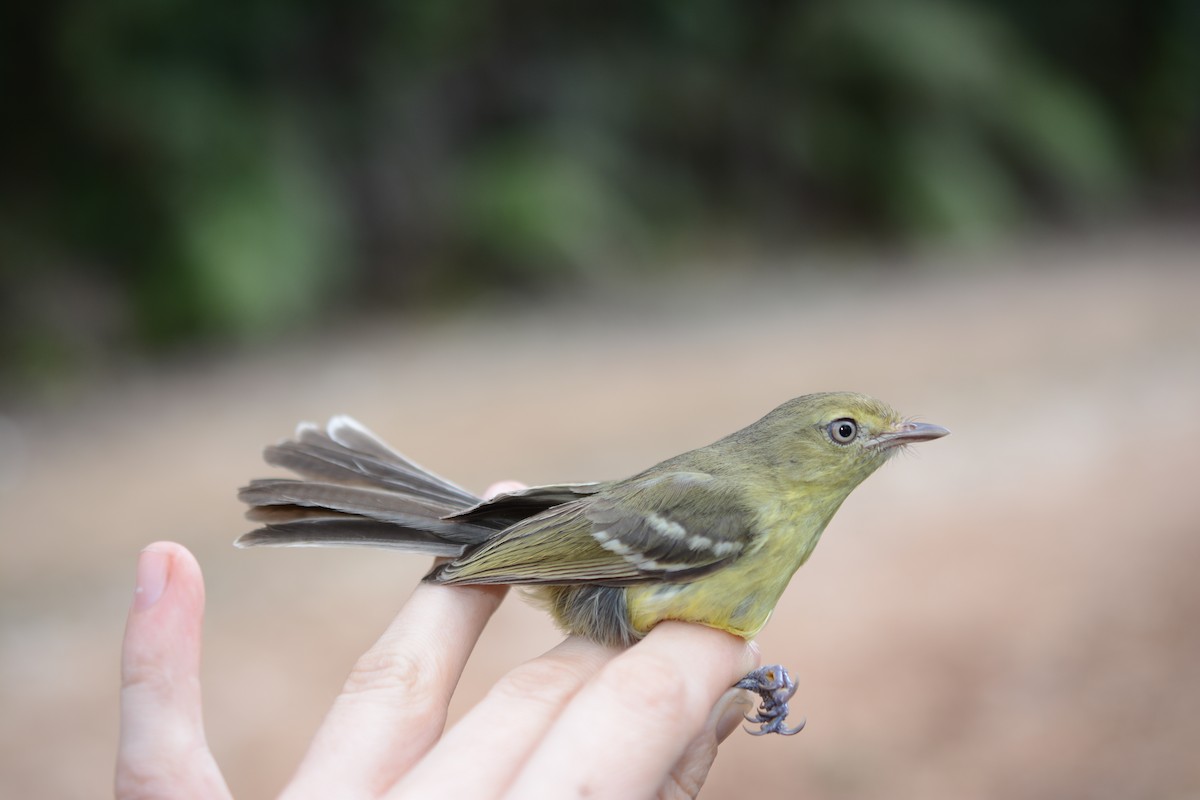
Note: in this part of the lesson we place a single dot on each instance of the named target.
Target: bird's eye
(843, 431)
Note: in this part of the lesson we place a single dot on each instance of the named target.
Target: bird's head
(832, 440)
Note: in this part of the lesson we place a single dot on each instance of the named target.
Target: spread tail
(356, 491)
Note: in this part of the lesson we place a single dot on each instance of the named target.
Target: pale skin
(580, 720)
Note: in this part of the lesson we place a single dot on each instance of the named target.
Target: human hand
(582, 719)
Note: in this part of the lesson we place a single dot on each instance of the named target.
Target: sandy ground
(1010, 612)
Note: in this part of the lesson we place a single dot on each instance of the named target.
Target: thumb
(162, 751)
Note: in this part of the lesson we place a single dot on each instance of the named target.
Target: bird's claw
(775, 687)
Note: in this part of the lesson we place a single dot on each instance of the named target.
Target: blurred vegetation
(177, 170)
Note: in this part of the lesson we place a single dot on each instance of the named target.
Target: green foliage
(232, 170)
(542, 207)
(934, 119)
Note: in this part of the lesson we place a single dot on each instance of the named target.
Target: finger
(162, 750)
(628, 727)
(504, 728)
(393, 706)
(503, 486)
(689, 773)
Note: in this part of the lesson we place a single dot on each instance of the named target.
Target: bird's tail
(357, 491)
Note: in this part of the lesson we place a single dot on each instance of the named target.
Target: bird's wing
(666, 527)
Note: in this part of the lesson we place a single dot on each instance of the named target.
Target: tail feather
(358, 491)
(338, 531)
(374, 504)
(351, 434)
(346, 452)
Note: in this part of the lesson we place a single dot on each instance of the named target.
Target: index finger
(393, 705)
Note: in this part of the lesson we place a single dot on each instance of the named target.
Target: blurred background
(516, 240)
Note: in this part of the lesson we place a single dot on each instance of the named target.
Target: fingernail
(730, 712)
(153, 567)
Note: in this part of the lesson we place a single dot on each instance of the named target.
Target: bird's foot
(775, 687)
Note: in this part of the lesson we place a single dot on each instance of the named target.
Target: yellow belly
(737, 598)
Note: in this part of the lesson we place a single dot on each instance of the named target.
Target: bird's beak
(907, 433)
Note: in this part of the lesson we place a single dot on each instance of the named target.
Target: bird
(711, 536)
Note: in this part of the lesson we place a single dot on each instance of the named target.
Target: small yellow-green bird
(710, 536)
